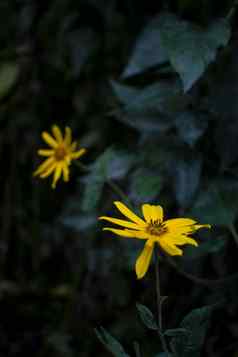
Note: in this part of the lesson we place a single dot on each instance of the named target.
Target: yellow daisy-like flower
(168, 234)
(62, 151)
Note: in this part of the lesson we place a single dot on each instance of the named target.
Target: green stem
(209, 283)
(137, 349)
(110, 183)
(81, 166)
(119, 192)
(159, 299)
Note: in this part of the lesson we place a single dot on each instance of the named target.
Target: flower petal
(121, 222)
(57, 174)
(68, 136)
(179, 222)
(65, 172)
(178, 240)
(179, 226)
(143, 261)
(45, 152)
(49, 140)
(44, 166)
(78, 154)
(73, 146)
(152, 212)
(199, 226)
(57, 133)
(125, 233)
(48, 171)
(129, 214)
(170, 248)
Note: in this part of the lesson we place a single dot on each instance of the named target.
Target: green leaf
(147, 317)
(175, 332)
(191, 48)
(151, 108)
(227, 149)
(148, 51)
(186, 180)
(217, 205)
(92, 192)
(211, 246)
(111, 165)
(191, 127)
(194, 327)
(145, 185)
(110, 343)
(9, 72)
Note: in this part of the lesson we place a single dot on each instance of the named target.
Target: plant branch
(159, 300)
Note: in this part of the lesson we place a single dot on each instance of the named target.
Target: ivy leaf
(111, 344)
(191, 48)
(148, 51)
(190, 335)
(147, 317)
(217, 204)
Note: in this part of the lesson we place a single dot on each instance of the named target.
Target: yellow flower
(59, 156)
(153, 229)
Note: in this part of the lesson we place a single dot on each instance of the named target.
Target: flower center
(60, 153)
(156, 228)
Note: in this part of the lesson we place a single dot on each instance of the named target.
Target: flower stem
(137, 349)
(110, 183)
(159, 299)
(119, 192)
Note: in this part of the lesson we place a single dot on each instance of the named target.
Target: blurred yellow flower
(168, 234)
(59, 156)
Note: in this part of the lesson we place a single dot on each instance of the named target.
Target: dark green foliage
(150, 88)
(147, 317)
(111, 343)
(188, 339)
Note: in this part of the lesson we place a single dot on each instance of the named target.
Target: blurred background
(150, 88)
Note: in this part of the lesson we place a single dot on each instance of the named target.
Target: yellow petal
(125, 233)
(178, 240)
(48, 171)
(121, 222)
(49, 140)
(68, 136)
(44, 166)
(199, 226)
(179, 226)
(57, 133)
(45, 152)
(65, 172)
(152, 212)
(170, 248)
(143, 261)
(129, 214)
(73, 146)
(179, 222)
(57, 174)
(78, 154)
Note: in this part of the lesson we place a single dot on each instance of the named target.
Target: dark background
(75, 63)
